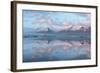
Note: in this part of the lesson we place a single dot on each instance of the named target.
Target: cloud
(56, 21)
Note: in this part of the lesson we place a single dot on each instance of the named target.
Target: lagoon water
(56, 47)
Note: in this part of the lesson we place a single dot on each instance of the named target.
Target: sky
(55, 20)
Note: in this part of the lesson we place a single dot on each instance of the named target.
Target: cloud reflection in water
(56, 50)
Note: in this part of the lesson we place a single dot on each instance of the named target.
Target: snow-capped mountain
(69, 28)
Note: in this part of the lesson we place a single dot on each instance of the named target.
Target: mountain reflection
(55, 50)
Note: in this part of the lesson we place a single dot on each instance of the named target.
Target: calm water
(51, 47)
